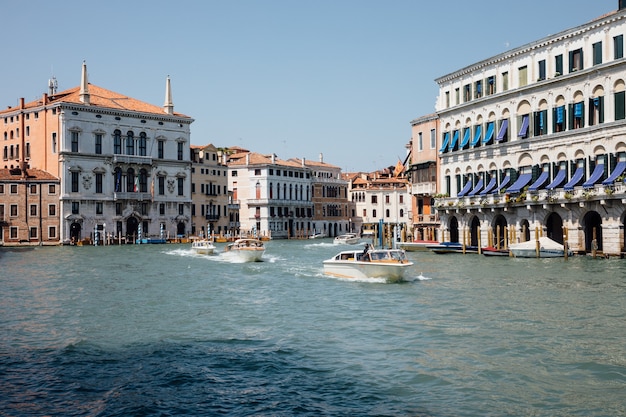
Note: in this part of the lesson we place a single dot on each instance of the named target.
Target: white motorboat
(247, 250)
(391, 264)
(416, 245)
(202, 247)
(347, 239)
(544, 247)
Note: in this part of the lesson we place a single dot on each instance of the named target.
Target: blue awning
(446, 139)
(503, 184)
(558, 180)
(619, 169)
(466, 138)
(479, 130)
(578, 110)
(502, 131)
(490, 186)
(489, 133)
(578, 175)
(543, 178)
(455, 139)
(559, 114)
(595, 176)
(521, 182)
(465, 189)
(524, 129)
(476, 189)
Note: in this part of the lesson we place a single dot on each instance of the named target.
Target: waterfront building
(274, 195)
(209, 191)
(29, 207)
(123, 164)
(332, 211)
(382, 201)
(533, 141)
(422, 176)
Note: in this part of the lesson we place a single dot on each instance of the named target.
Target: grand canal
(153, 330)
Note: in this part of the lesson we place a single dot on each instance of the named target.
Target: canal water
(154, 330)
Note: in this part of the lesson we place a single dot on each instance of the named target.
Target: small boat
(451, 247)
(202, 247)
(391, 264)
(317, 236)
(493, 251)
(416, 245)
(547, 247)
(248, 250)
(348, 238)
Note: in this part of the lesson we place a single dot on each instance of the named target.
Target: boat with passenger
(347, 239)
(391, 264)
(203, 246)
(248, 250)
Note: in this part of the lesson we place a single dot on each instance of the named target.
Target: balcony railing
(132, 196)
(132, 159)
(424, 188)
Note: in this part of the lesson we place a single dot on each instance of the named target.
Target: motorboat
(493, 251)
(391, 264)
(416, 245)
(248, 250)
(347, 239)
(452, 247)
(203, 246)
(543, 247)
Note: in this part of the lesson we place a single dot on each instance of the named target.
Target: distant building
(29, 207)
(123, 164)
(209, 191)
(533, 141)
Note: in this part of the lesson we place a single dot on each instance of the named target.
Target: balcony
(132, 159)
(212, 217)
(424, 188)
(132, 196)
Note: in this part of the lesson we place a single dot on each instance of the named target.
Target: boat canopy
(595, 176)
(578, 175)
(521, 182)
(558, 180)
(543, 178)
(619, 169)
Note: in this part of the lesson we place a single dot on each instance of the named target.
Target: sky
(337, 78)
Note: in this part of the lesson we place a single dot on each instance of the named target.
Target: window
(620, 105)
(143, 143)
(420, 144)
(13, 188)
(618, 47)
(559, 119)
(374, 213)
(596, 110)
(28, 149)
(33, 210)
(117, 142)
(181, 209)
(99, 207)
(33, 233)
(542, 70)
(541, 125)
(576, 60)
(98, 139)
(491, 85)
(52, 210)
(54, 142)
(505, 81)
(597, 53)
(13, 210)
(523, 76)
(433, 139)
(578, 115)
(478, 87)
(181, 184)
(51, 189)
(118, 209)
(524, 122)
(98, 183)
(74, 182)
(33, 189)
(13, 232)
(447, 99)
(161, 185)
(52, 232)
(130, 143)
(374, 199)
(457, 96)
(234, 173)
(467, 93)
(75, 207)
(257, 172)
(74, 139)
(180, 151)
(161, 149)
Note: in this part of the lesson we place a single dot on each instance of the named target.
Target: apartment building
(533, 140)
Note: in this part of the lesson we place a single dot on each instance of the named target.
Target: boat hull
(202, 247)
(416, 246)
(390, 264)
(450, 247)
(246, 250)
(532, 253)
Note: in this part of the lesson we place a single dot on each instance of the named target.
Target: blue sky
(343, 78)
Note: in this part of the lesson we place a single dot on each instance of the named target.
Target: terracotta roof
(312, 163)
(100, 97)
(260, 159)
(32, 174)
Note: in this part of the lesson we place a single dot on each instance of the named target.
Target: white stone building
(534, 141)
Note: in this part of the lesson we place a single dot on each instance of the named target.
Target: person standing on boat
(364, 256)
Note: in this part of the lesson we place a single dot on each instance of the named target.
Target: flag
(136, 184)
(152, 189)
(118, 181)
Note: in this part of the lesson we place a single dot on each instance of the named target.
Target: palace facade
(533, 141)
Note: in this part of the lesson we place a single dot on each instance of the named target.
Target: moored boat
(391, 264)
(452, 247)
(203, 247)
(416, 245)
(348, 238)
(493, 251)
(543, 247)
(247, 250)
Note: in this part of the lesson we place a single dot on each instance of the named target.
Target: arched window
(130, 143)
(117, 142)
(117, 178)
(271, 190)
(143, 180)
(130, 180)
(143, 140)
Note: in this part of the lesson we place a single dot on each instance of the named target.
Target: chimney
(84, 86)
(303, 162)
(321, 157)
(168, 107)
